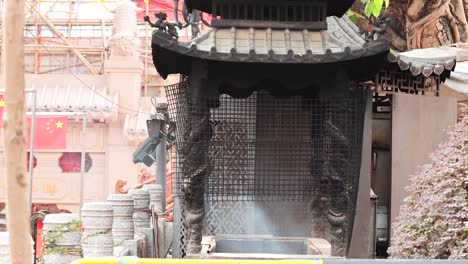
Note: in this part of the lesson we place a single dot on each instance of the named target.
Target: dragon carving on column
(196, 157)
(331, 201)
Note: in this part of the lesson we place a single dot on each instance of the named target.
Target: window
(71, 162)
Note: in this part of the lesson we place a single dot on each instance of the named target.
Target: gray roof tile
(341, 41)
(95, 101)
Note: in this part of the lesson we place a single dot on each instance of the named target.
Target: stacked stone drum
(62, 237)
(156, 194)
(141, 213)
(122, 227)
(97, 220)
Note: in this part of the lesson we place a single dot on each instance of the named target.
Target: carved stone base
(194, 221)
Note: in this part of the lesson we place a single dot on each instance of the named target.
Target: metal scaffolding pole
(31, 147)
(161, 169)
(161, 155)
(83, 156)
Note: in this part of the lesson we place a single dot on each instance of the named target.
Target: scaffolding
(72, 36)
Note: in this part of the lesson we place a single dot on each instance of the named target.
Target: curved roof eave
(368, 49)
(430, 64)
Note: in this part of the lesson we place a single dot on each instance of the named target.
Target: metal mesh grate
(264, 148)
(300, 154)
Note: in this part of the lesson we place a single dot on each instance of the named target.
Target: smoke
(271, 228)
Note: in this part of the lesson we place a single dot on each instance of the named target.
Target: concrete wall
(51, 185)
(419, 125)
(110, 151)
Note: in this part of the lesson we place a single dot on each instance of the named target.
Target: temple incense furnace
(267, 129)
(274, 125)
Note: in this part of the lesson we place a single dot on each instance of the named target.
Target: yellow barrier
(130, 260)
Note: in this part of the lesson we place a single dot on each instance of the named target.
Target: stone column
(124, 68)
(336, 151)
(97, 220)
(156, 196)
(141, 213)
(123, 72)
(62, 235)
(195, 168)
(122, 227)
(142, 219)
(123, 75)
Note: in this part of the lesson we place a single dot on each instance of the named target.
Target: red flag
(51, 132)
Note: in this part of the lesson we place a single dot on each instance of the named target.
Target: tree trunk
(423, 24)
(18, 210)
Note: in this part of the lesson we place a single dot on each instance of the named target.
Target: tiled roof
(341, 42)
(458, 80)
(424, 61)
(97, 102)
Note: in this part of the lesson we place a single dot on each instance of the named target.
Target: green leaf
(377, 7)
(378, 3)
(354, 16)
(368, 9)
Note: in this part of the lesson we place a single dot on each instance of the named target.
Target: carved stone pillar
(197, 160)
(334, 157)
(334, 168)
(337, 233)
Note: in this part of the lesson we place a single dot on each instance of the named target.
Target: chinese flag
(51, 132)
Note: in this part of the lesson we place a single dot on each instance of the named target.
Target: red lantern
(71, 162)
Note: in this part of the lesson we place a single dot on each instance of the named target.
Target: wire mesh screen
(265, 148)
(298, 156)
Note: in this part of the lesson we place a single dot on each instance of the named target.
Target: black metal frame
(270, 14)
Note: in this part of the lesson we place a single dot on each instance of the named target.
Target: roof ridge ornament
(162, 25)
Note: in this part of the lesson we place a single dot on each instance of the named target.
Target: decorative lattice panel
(229, 218)
(396, 81)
